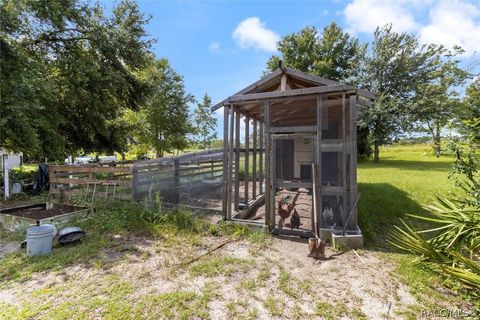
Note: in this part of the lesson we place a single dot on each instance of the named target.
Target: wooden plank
(247, 160)
(266, 113)
(273, 186)
(283, 82)
(237, 160)
(251, 87)
(293, 184)
(225, 160)
(305, 76)
(260, 159)
(230, 164)
(288, 93)
(293, 129)
(81, 182)
(254, 160)
(88, 169)
(344, 156)
(318, 158)
(353, 157)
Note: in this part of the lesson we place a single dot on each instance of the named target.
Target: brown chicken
(316, 248)
(283, 213)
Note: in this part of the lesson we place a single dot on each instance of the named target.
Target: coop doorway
(292, 196)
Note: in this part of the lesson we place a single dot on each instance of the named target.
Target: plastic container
(40, 239)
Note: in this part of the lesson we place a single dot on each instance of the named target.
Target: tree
(78, 70)
(468, 115)
(163, 122)
(205, 122)
(333, 54)
(394, 68)
(438, 101)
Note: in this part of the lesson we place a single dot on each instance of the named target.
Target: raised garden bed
(19, 218)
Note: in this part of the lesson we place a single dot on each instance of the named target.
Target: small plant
(453, 244)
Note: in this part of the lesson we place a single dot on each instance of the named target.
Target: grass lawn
(405, 179)
(142, 264)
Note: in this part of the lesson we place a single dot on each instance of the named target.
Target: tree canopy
(69, 71)
(163, 121)
(205, 122)
(332, 53)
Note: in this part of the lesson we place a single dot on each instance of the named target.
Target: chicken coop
(290, 154)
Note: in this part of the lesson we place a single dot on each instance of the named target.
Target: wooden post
(318, 171)
(176, 181)
(254, 164)
(225, 160)
(260, 160)
(247, 158)
(272, 188)
(230, 164)
(266, 119)
(237, 159)
(353, 156)
(344, 157)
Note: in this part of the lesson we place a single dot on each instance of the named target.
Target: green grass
(220, 265)
(405, 179)
(175, 229)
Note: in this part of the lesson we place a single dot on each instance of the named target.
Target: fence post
(176, 181)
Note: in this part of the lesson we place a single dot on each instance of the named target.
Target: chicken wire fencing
(192, 180)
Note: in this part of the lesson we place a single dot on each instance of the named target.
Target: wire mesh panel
(193, 179)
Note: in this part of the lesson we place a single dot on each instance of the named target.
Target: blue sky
(222, 46)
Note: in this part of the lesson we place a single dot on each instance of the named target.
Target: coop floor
(302, 203)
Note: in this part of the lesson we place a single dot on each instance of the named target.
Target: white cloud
(252, 33)
(326, 12)
(453, 23)
(214, 47)
(367, 15)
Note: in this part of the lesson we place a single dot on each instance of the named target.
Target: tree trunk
(437, 148)
(376, 150)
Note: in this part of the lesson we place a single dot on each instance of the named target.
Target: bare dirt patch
(239, 280)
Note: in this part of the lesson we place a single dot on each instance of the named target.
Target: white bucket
(40, 239)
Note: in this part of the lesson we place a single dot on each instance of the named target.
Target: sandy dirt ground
(280, 276)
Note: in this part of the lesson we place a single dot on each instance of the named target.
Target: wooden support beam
(247, 159)
(293, 129)
(237, 160)
(353, 157)
(318, 172)
(266, 117)
(283, 82)
(260, 160)
(288, 93)
(230, 164)
(251, 87)
(226, 111)
(254, 160)
(344, 156)
(273, 186)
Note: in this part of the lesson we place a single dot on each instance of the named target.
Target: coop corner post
(230, 164)
(318, 171)
(344, 158)
(237, 160)
(225, 159)
(254, 160)
(353, 157)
